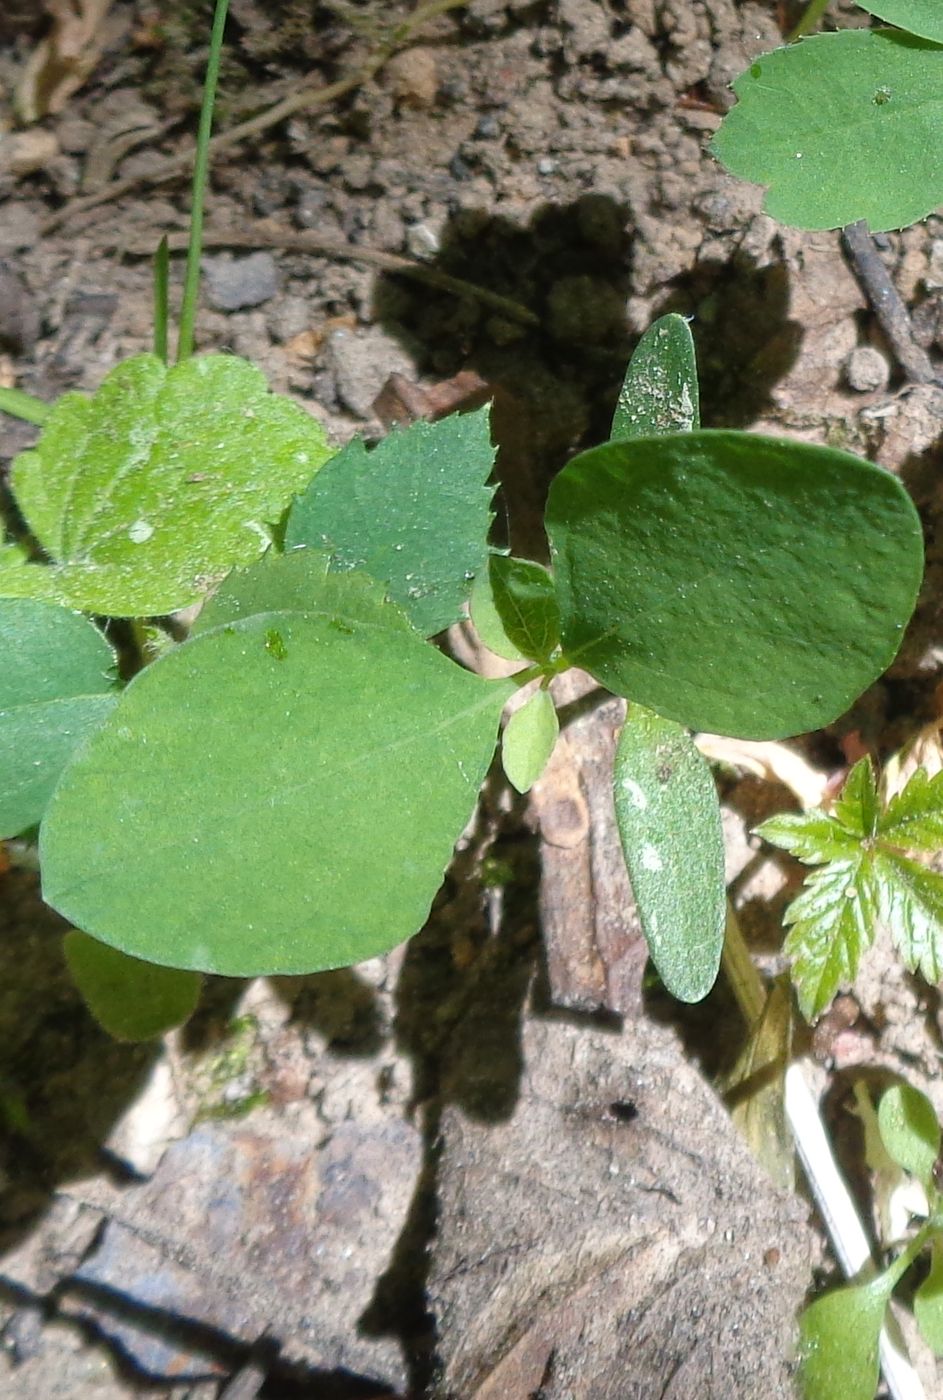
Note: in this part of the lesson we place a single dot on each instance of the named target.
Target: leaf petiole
(21, 405)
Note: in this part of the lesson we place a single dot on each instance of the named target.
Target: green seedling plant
(866, 874)
(847, 126)
(281, 790)
(840, 1332)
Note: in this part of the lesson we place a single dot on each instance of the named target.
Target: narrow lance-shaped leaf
(921, 17)
(414, 513)
(910, 1130)
(842, 127)
(659, 393)
(669, 823)
(298, 780)
(57, 685)
(130, 999)
(149, 491)
(691, 571)
(528, 740)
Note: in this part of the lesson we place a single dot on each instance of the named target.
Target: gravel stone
(866, 369)
(235, 283)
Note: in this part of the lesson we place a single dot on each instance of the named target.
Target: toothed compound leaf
(300, 582)
(280, 794)
(732, 582)
(842, 127)
(812, 837)
(526, 602)
(414, 513)
(928, 1301)
(57, 685)
(528, 740)
(910, 1130)
(921, 17)
(659, 393)
(669, 823)
(831, 923)
(911, 905)
(130, 999)
(856, 807)
(148, 492)
(839, 1336)
(914, 818)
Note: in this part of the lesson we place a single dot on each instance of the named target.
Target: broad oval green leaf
(840, 1334)
(841, 127)
(659, 393)
(299, 581)
(413, 513)
(910, 1130)
(732, 582)
(148, 492)
(528, 740)
(130, 999)
(669, 824)
(488, 621)
(526, 601)
(922, 17)
(279, 795)
(57, 685)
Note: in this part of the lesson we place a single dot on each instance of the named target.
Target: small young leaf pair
(840, 1332)
(865, 877)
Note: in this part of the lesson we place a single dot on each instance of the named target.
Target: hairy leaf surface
(130, 999)
(914, 817)
(732, 582)
(669, 824)
(149, 491)
(842, 127)
(281, 794)
(659, 393)
(57, 685)
(414, 513)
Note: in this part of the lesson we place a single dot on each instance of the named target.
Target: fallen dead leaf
(60, 64)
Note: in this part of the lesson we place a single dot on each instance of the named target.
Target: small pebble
(235, 283)
(866, 370)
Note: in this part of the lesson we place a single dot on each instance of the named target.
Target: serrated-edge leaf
(914, 816)
(910, 1130)
(146, 493)
(529, 737)
(911, 906)
(660, 392)
(130, 999)
(921, 17)
(857, 807)
(831, 923)
(414, 513)
(840, 1334)
(928, 1301)
(812, 837)
(669, 824)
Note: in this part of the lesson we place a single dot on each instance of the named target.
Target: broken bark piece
(403, 401)
(613, 1239)
(596, 951)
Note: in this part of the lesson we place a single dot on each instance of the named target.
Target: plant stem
(201, 165)
(25, 406)
(809, 21)
(161, 297)
(745, 982)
